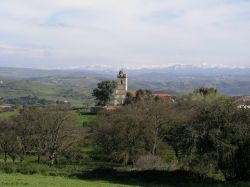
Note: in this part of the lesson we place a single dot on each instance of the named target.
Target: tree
(206, 91)
(9, 142)
(216, 137)
(26, 124)
(139, 96)
(48, 130)
(104, 91)
(58, 130)
(120, 133)
(134, 130)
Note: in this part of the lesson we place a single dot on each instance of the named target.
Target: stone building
(122, 88)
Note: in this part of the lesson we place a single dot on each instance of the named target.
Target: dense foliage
(206, 130)
(27, 100)
(203, 132)
(104, 91)
(41, 131)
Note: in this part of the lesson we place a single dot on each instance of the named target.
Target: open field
(5, 115)
(86, 117)
(17, 180)
(21, 88)
(98, 174)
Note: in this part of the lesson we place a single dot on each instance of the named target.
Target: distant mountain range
(175, 79)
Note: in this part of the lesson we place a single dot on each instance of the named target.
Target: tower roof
(122, 74)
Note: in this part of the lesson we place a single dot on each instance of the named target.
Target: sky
(78, 33)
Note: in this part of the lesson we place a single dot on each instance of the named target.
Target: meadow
(145, 179)
(50, 91)
(86, 165)
(18, 180)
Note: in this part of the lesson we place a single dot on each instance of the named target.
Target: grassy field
(54, 92)
(86, 118)
(6, 115)
(17, 180)
(83, 117)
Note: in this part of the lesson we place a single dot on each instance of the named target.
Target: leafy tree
(216, 136)
(134, 130)
(104, 91)
(206, 91)
(139, 96)
(120, 133)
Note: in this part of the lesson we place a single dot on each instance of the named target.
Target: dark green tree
(104, 91)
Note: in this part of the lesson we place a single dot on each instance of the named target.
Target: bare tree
(9, 143)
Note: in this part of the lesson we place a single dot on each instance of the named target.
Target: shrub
(27, 169)
(9, 169)
(150, 162)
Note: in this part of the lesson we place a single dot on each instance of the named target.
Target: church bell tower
(122, 88)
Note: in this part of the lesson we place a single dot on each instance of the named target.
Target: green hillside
(20, 88)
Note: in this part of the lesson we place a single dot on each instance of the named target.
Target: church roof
(122, 74)
(161, 94)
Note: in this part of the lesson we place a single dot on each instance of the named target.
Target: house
(243, 102)
(164, 96)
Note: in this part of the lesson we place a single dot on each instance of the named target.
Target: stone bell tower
(122, 88)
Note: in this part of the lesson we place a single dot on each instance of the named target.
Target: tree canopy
(104, 91)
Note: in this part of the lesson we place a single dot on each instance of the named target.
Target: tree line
(206, 130)
(42, 131)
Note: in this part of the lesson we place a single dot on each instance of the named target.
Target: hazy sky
(71, 33)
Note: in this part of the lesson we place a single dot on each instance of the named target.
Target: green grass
(5, 115)
(85, 117)
(96, 173)
(21, 88)
(127, 180)
(17, 180)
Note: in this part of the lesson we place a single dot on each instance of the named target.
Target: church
(122, 88)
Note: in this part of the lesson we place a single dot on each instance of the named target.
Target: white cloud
(130, 31)
(31, 50)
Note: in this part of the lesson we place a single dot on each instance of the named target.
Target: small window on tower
(121, 81)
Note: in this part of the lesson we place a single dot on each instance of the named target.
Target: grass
(17, 180)
(96, 173)
(85, 117)
(5, 115)
(109, 178)
(21, 88)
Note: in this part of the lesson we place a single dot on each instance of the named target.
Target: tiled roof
(161, 94)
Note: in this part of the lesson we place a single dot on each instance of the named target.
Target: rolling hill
(75, 85)
(11, 88)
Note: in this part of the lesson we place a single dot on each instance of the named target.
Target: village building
(121, 94)
(243, 102)
(122, 88)
(163, 96)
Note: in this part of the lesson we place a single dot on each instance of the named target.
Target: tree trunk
(5, 157)
(38, 158)
(52, 159)
(125, 160)
(21, 158)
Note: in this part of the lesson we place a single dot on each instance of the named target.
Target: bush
(150, 162)
(27, 169)
(9, 169)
